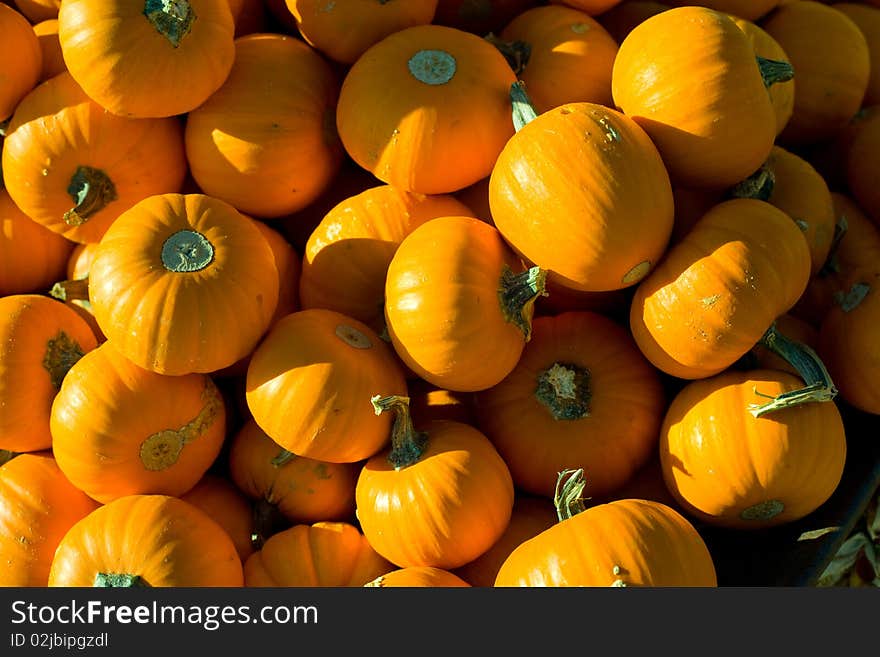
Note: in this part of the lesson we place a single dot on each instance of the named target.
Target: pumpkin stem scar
(852, 298)
(352, 337)
(517, 53)
(758, 186)
(432, 67)
(637, 273)
(62, 352)
(564, 389)
(832, 263)
(71, 290)
(523, 110)
(517, 294)
(763, 510)
(568, 497)
(173, 19)
(162, 449)
(119, 580)
(187, 251)
(407, 444)
(774, 71)
(91, 189)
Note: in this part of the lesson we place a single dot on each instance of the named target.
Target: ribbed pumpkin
(440, 496)
(419, 576)
(426, 109)
(40, 339)
(705, 104)
(324, 554)
(265, 142)
(53, 60)
(347, 255)
(184, 52)
(146, 541)
(37, 507)
(172, 269)
(727, 467)
(582, 395)
(73, 167)
(22, 59)
(225, 503)
(572, 187)
(867, 19)
(458, 303)
(627, 542)
(717, 291)
(118, 429)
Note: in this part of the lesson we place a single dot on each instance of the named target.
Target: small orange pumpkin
(419, 576)
(53, 60)
(623, 17)
(749, 10)
(223, 501)
(22, 59)
(862, 168)
(867, 19)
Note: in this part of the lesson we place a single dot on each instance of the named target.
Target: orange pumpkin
(727, 467)
(428, 402)
(623, 17)
(572, 187)
(705, 104)
(862, 168)
(591, 7)
(184, 52)
(626, 542)
(264, 142)
(582, 395)
(458, 304)
(440, 496)
(146, 541)
(40, 339)
(74, 290)
(249, 16)
(324, 554)
(419, 576)
(750, 10)
(22, 59)
(480, 16)
(224, 502)
(53, 60)
(74, 168)
(37, 507)
(437, 127)
(173, 268)
(867, 19)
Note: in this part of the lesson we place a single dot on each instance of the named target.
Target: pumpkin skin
(344, 30)
(867, 19)
(78, 264)
(541, 189)
(53, 60)
(146, 540)
(743, 264)
(168, 255)
(220, 499)
(623, 17)
(38, 10)
(436, 128)
(428, 402)
(310, 380)
(457, 305)
(705, 106)
(347, 255)
(74, 168)
(324, 554)
(40, 339)
(743, 472)
(750, 10)
(22, 59)
(419, 576)
(32, 257)
(480, 16)
(863, 169)
(264, 142)
(177, 65)
(301, 489)
(591, 7)
(37, 507)
(118, 429)
(582, 395)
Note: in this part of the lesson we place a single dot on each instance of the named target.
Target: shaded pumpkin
(419, 576)
(249, 16)
(53, 60)
(37, 10)
(22, 59)
(867, 18)
(224, 502)
(591, 7)
(863, 168)
(793, 328)
(428, 402)
(480, 16)
(623, 17)
(76, 285)
(749, 10)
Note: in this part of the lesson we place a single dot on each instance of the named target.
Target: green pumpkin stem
(832, 262)
(568, 497)
(119, 580)
(852, 298)
(523, 110)
(91, 189)
(757, 186)
(517, 53)
(283, 458)
(71, 290)
(407, 444)
(774, 71)
(172, 19)
(812, 370)
(564, 390)
(517, 294)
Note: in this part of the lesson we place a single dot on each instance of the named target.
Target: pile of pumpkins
(428, 293)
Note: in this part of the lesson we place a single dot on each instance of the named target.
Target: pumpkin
(717, 291)
(40, 339)
(867, 19)
(480, 16)
(831, 80)
(53, 60)
(691, 203)
(38, 10)
(705, 105)
(591, 7)
(646, 484)
(560, 299)
(829, 157)
(224, 502)
(862, 168)
(572, 187)
(324, 554)
(173, 268)
(22, 59)
(285, 488)
(438, 126)
(628, 542)
(74, 168)
(310, 380)
(623, 17)
(419, 576)
(563, 55)
(184, 52)
(249, 17)
(749, 10)
(346, 257)
(32, 257)
(76, 285)
(428, 402)
(37, 507)
(458, 303)
(345, 29)
(439, 496)
(265, 142)
(118, 429)
(583, 395)
(729, 468)
(146, 541)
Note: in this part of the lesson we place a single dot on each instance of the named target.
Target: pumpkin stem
(774, 71)
(851, 300)
(7, 455)
(523, 110)
(517, 53)
(407, 444)
(71, 290)
(757, 186)
(812, 370)
(518, 293)
(267, 521)
(432, 67)
(568, 497)
(62, 353)
(565, 390)
(283, 458)
(832, 262)
(91, 189)
(173, 19)
(119, 580)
